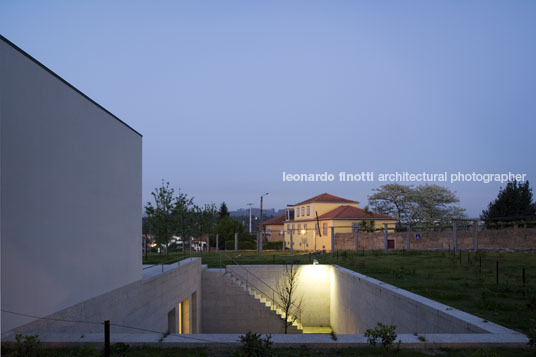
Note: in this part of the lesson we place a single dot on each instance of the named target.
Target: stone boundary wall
(520, 238)
(143, 304)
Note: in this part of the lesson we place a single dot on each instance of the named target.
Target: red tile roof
(276, 220)
(349, 212)
(326, 198)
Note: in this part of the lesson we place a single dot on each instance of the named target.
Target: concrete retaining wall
(227, 308)
(359, 302)
(143, 304)
(313, 286)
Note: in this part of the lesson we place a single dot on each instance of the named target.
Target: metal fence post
(475, 235)
(217, 242)
(454, 238)
(283, 240)
(236, 242)
(333, 240)
(107, 338)
(356, 233)
(408, 237)
(385, 238)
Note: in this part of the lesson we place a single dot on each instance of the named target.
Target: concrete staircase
(295, 328)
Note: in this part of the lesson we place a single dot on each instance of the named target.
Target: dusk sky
(228, 95)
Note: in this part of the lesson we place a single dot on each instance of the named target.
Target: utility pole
(261, 229)
(250, 204)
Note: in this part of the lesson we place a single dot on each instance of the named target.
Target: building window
(308, 210)
(325, 229)
(288, 228)
(303, 211)
(268, 231)
(293, 228)
(299, 228)
(298, 212)
(317, 228)
(305, 228)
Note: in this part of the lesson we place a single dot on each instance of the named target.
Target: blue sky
(229, 94)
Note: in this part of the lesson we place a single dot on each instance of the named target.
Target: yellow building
(310, 222)
(273, 228)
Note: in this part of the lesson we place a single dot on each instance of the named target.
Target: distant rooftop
(326, 198)
(350, 212)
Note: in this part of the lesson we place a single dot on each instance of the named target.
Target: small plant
(253, 345)
(86, 351)
(484, 352)
(333, 336)
(532, 338)
(385, 334)
(531, 303)
(27, 346)
(119, 349)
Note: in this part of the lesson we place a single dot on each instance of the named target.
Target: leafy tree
(515, 200)
(425, 203)
(162, 216)
(184, 215)
(392, 199)
(209, 218)
(224, 212)
(227, 227)
(368, 226)
(145, 226)
(434, 204)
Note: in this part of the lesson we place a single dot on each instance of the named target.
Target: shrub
(253, 345)
(242, 245)
(385, 334)
(272, 245)
(27, 346)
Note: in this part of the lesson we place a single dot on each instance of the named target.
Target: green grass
(465, 284)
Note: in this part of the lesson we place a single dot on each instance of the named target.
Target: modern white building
(70, 193)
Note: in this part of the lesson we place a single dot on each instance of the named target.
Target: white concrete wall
(313, 286)
(70, 193)
(227, 308)
(359, 302)
(143, 304)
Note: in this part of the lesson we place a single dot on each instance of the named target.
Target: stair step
(295, 327)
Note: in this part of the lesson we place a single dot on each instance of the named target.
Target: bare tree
(286, 289)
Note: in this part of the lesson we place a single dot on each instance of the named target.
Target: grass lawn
(468, 284)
